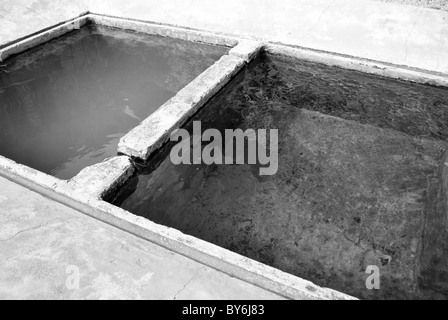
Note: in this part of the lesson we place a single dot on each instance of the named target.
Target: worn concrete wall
(19, 18)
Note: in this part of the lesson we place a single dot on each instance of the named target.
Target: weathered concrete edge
(95, 181)
(247, 49)
(42, 37)
(163, 30)
(155, 130)
(26, 176)
(40, 31)
(329, 58)
(386, 69)
(233, 264)
(358, 64)
(78, 194)
(101, 179)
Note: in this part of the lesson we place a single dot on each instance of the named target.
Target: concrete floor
(40, 239)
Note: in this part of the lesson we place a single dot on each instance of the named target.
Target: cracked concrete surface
(49, 238)
(186, 285)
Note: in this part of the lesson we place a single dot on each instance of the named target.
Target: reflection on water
(65, 104)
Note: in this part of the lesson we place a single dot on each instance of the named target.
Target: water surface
(361, 179)
(65, 104)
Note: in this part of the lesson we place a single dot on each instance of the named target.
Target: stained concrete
(40, 239)
(163, 30)
(100, 180)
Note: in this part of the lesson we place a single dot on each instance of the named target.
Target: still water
(361, 179)
(65, 104)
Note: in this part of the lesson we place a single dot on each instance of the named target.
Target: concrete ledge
(163, 30)
(155, 130)
(94, 182)
(102, 178)
(83, 192)
(42, 37)
(216, 257)
(366, 66)
(26, 176)
(391, 33)
(247, 49)
(23, 19)
(143, 27)
(208, 254)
